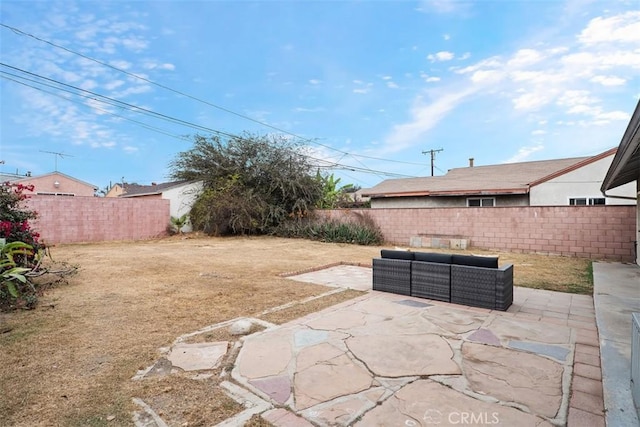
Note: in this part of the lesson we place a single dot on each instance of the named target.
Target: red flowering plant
(14, 217)
(21, 252)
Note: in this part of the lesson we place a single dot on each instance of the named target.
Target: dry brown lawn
(70, 361)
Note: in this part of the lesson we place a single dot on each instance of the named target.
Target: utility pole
(433, 156)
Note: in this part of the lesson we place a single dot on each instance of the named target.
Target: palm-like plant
(179, 222)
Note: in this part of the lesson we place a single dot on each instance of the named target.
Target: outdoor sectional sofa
(461, 279)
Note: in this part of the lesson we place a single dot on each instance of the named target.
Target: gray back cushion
(433, 257)
(388, 253)
(475, 261)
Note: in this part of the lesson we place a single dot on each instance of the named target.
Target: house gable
(57, 183)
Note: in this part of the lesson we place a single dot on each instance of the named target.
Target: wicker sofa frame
(460, 279)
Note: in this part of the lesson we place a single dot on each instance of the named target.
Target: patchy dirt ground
(70, 361)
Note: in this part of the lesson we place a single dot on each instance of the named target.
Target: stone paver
(404, 355)
(385, 359)
(533, 381)
(197, 357)
(444, 406)
(353, 360)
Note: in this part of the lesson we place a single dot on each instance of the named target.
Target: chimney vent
(470, 162)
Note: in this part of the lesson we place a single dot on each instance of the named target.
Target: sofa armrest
(392, 275)
(504, 287)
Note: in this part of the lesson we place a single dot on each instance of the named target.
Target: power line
(23, 33)
(132, 108)
(4, 74)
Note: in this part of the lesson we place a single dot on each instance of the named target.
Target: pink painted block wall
(597, 232)
(97, 219)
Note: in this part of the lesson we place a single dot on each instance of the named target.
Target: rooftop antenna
(56, 155)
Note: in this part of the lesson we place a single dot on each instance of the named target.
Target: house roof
(509, 178)
(625, 166)
(31, 178)
(135, 190)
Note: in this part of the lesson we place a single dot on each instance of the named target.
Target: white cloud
(613, 115)
(525, 57)
(135, 44)
(88, 84)
(572, 98)
(446, 37)
(538, 132)
(113, 85)
(623, 28)
(122, 64)
(387, 77)
(524, 153)
(531, 100)
(432, 79)
(315, 81)
(150, 65)
(441, 56)
(362, 87)
(130, 149)
(487, 76)
(423, 118)
(442, 6)
(392, 85)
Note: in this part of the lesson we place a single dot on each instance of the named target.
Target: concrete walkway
(616, 296)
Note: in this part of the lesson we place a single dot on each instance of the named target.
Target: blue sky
(369, 85)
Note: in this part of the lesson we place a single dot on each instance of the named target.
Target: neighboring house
(625, 168)
(181, 195)
(559, 182)
(116, 190)
(57, 184)
(8, 177)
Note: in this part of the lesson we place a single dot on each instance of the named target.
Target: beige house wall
(60, 184)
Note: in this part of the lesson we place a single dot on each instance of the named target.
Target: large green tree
(251, 183)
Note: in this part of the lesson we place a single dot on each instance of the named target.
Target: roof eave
(625, 166)
(450, 193)
(574, 167)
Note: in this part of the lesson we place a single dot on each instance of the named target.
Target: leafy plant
(12, 273)
(14, 217)
(178, 223)
(334, 196)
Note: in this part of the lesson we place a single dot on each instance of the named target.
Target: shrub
(23, 274)
(14, 217)
(358, 229)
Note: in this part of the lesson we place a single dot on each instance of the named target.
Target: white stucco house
(559, 182)
(181, 195)
(625, 171)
